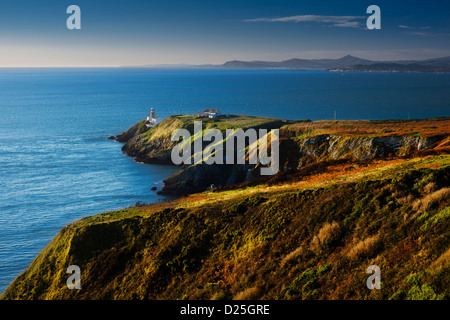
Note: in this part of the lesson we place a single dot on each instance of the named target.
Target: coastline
(111, 235)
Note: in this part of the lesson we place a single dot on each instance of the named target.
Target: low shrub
(247, 294)
(327, 235)
(365, 248)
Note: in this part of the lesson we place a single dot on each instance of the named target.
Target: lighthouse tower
(152, 119)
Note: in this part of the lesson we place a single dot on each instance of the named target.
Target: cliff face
(362, 148)
(203, 177)
(155, 146)
(155, 151)
(295, 154)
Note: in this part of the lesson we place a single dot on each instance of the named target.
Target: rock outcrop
(362, 148)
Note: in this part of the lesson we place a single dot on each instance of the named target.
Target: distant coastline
(345, 64)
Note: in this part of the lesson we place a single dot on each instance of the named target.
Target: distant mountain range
(345, 64)
(346, 61)
(350, 63)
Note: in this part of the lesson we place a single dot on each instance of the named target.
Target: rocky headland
(301, 143)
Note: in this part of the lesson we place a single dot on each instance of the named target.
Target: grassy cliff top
(372, 128)
(421, 128)
(167, 126)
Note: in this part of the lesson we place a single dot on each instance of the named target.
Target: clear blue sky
(136, 32)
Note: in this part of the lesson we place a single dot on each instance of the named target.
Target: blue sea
(57, 164)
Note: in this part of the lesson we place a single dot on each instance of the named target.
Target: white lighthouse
(152, 119)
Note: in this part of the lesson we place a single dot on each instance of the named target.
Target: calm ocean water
(57, 166)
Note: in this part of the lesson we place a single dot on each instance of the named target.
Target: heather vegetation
(311, 237)
(371, 128)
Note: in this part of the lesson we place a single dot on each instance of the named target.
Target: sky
(136, 32)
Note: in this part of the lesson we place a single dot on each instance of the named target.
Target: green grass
(221, 123)
(440, 217)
